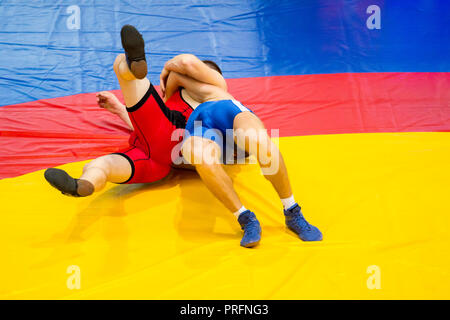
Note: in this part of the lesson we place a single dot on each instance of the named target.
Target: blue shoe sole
(251, 244)
(320, 238)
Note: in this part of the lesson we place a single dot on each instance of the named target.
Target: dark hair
(212, 65)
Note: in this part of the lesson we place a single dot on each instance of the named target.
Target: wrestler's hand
(109, 101)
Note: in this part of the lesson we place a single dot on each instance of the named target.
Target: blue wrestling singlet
(212, 119)
(217, 116)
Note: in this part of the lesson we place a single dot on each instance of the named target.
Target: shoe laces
(246, 218)
(250, 226)
(251, 233)
(301, 221)
(297, 218)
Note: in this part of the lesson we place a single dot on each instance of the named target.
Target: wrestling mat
(379, 199)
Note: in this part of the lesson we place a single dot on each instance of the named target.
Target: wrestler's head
(212, 65)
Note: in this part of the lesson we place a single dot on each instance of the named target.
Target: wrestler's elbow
(188, 64)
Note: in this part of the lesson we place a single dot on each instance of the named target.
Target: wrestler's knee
(200, 151)
(266, 145)
(102, 163)
(255, 141)
(188, 150)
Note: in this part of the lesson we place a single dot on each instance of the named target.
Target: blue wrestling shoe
(297, 223)
(251, 227)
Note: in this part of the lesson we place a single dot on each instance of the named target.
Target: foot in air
(133, 44)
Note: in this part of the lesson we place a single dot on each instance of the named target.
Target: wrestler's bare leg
(259, 144)
(115, 168)
(205, 155)
(109, 168)
(132, 89)
(251, 136)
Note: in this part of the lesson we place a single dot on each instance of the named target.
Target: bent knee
(200, 151)
(186, 150)
(192, 150)
(102, 163)
(254, 141)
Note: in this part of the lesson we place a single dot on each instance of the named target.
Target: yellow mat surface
(381, 201)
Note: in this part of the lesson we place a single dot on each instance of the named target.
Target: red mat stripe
(50, 132)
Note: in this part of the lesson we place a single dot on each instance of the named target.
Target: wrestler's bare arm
(191, 66)
(199, 91)
(109, 101)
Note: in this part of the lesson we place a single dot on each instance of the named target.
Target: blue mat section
(59, 48)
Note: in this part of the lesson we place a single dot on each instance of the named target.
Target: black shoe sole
(134, 46)
(60, 180)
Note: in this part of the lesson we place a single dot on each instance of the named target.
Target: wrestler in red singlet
(150, 147)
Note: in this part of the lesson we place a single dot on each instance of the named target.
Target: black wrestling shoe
(68, 186)
(133, 44)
